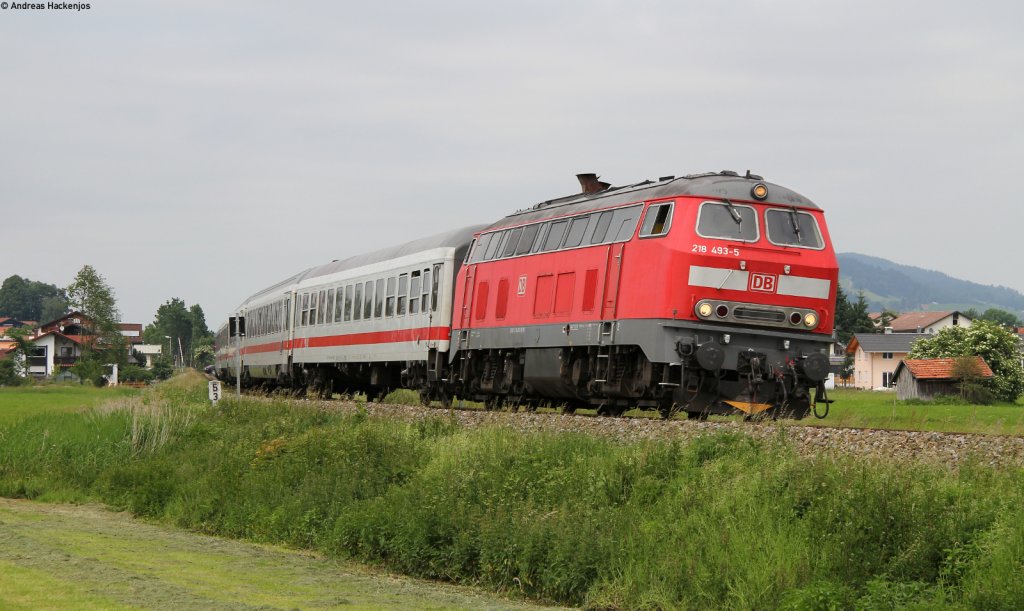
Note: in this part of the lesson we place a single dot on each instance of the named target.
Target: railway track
(949, 449)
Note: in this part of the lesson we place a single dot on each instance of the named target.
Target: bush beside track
(720, 520)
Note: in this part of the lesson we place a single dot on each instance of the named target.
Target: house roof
(910, 321)
(884, 342)
(78, 339)
(939, 369)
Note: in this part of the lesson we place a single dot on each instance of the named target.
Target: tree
(973, 389)
(999, 347)
(90, 294)
(29, 300)
(1002, 317)
(22, 348)
(851, 317)
(185, 324)
(887, 316)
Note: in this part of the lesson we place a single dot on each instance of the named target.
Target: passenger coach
(368, 323)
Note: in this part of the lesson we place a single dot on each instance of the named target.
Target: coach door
(610, 303)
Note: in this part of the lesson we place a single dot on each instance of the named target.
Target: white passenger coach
(368, 323)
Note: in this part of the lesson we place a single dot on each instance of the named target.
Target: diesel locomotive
(701, 294)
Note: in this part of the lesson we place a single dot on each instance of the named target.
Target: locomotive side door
(613, 271)
(467, 295)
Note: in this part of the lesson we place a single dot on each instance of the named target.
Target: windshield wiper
(733, 212)
(796, 225)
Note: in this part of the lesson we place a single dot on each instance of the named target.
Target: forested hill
(903, 287)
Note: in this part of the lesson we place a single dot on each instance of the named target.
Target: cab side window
(657, 221)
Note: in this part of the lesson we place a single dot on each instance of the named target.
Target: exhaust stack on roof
(590, 183)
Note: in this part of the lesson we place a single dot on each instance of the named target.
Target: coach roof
(458, 238)
(714, 185)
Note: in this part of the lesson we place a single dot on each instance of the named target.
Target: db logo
(764, 283)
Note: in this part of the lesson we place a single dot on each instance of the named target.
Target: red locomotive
(707, 293)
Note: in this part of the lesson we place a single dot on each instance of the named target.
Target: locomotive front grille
(761, 315)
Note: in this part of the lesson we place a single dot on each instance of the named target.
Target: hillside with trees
(889, 285)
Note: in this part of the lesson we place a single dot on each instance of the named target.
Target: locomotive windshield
(792, 228)
(727, 222)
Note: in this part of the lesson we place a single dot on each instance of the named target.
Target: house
(876, 355)
(929, 378)
(57, 344)
(928, 322)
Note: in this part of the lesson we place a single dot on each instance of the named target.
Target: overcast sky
(204, 150)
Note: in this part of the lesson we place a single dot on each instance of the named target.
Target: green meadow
(18, 402)
(878, 409)
(719, 522)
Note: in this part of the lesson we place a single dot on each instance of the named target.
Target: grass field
(877, 409)
(85, 557)
(21, 401)
(722, 521)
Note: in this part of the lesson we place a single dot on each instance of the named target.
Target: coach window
(492, 246)
(378, 306)
(577, 227)
(425, 291)
(368, 300)
(339, 303)
(657, 221)
(392, 283)
(357, 303)
(792, 228)
(329, 307)
(305, 309)
(415, 282)
(349, 293)
(403, 292)
(513, 241)
(321, 306)
(727, 221)
(555, 235)
(436, 286)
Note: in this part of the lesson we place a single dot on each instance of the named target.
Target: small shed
(929, 378)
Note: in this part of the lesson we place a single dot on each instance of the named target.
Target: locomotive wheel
(668, 412)
(613, 411)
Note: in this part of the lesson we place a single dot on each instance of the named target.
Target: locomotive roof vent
(590, 183)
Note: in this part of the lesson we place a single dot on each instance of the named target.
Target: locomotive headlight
(811, 320)
(759, 191)
(704, 310)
